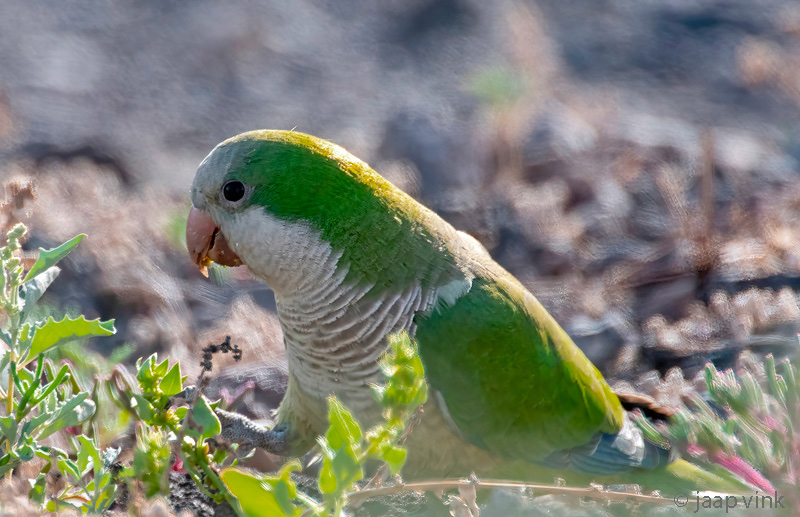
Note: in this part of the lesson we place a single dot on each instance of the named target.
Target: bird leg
(239, 429)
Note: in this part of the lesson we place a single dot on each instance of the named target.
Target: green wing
(512, 380)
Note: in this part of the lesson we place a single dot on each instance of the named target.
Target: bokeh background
(635, 163)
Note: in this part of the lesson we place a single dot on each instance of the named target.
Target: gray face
(209, 191)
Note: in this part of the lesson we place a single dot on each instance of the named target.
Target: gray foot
(239, 429)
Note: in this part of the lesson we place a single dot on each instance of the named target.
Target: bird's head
(288, 205)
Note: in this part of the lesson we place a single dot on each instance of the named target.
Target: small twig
(542, 489)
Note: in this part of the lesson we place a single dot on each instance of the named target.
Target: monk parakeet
(351, 259)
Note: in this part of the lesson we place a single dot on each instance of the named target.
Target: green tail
(680, 476)
(685, 477)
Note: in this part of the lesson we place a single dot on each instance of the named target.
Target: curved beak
(206, 243)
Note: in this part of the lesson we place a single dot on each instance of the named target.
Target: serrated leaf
(34, 289)
(49, 258)
(205, 417)
(54, 333)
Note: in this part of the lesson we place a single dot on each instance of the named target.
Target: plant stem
(541, 489)
(10, 402)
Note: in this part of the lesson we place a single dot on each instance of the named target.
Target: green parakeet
(351, 258)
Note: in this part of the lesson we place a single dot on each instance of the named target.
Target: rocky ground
(634, 163)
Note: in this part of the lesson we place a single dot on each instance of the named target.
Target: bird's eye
(233, 190)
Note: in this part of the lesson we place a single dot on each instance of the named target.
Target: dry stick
(708, 256)
(543, 489)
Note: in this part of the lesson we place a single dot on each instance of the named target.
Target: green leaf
(161, 369)
(30, 425)
(205, 417)
(73, 411)
(53, 333)
(343, 427)
(33, 386)
(61, 377)
(26, 448)
(97, 462)
(171, 383)
(327, 480)
(8, 428)
(395, 457)
(25, 376)
(65, 465)
(257, 494)
(285, 482)
(84, 460)
(145, 373)
(106, 496)
(8, 463)
(144, 367)
(49, 258)
(143, 408)
(33, 290)
(346, 468)
(37, 492)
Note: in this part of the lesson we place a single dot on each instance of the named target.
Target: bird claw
(239, 429)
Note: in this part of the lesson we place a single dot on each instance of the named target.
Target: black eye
(233, 190)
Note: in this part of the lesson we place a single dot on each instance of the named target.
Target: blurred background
(635, 163)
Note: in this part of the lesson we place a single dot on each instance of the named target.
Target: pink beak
(206, 243)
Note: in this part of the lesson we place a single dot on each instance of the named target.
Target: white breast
(335, 333)
(335, 348)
